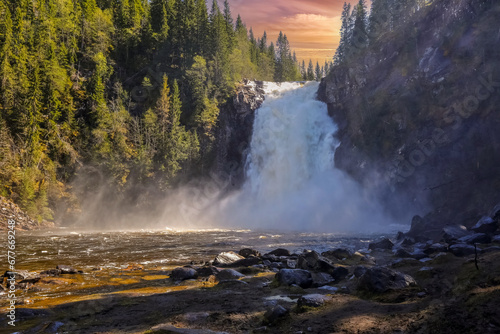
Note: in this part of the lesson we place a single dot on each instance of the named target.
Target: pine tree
(318, 72)
(359, 38)
(159, 18)
(310, 71)
(342, 49)
(229, 25)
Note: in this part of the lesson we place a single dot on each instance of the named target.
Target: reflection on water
(87, 250)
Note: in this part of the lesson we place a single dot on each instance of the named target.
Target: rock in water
(247, 252)
(183, 273)
(299, 277)
(227, 258)
(379, 280)
(66, 269)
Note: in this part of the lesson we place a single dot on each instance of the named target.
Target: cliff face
(234, 133)
(418, 112)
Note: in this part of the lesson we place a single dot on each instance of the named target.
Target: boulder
(275, 314)
(320, 279)
(311, 260)
(247, 252)
(380, 280)
(249, 261)
(384, 244)
(18, 275)
(462, 250)
(485, 225)
(66, 269)
(312, 300)
(183, 273)
(229, 274)
(227, 258)
(436, 248)
(452, 233)
(51, 272)
(207, 271)
(400, 252)
(476, 238)
(299, 277)
(280, 252)
(338, 254)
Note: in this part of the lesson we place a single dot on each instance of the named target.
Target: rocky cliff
(234, 132)
(418, 112)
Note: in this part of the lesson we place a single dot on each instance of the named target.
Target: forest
(122, 94)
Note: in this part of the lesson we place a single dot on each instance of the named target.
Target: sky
(312, 26)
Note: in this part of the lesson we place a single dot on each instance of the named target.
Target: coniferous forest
(123, 94)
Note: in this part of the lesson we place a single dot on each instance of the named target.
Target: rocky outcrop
(10, 211)
(234, 132)
(418, 114)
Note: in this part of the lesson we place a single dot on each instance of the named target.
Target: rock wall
(234, 132)
(418, 113)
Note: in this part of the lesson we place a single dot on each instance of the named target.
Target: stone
(453, 233)
(384, 244)
(360, 271)
(66, 269)
(228, 274)
(330, 289)
(291, 264)
(134, 267)
(300, 277)
(247, 252)
(462, 250)
(51, 272)
(183, 273)
(227, 258)
(312, 300)
(380, 280)
(495, 213)
(249, 261)
(477, 238)
(400, 252)
(169, 328)
(496, 238)
(485, 225)
(207, 271)
(280, 252)
(338, 254)
(311, 260)
(435, 248)
(275, 314)
(320, 279)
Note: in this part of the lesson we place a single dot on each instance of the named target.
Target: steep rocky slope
(418, 112)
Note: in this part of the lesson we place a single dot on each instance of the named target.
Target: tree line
(123, 94)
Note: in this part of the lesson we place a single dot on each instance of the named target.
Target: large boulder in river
(227, 258)
(183, 273)
(249, 261)
(228, 274)
(338, 254)
(299, 277)
(280, 252)
(66, 269)
(380, 280)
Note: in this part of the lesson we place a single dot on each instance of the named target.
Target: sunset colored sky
(312, 26)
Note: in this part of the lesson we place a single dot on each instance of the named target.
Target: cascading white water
(292, 141)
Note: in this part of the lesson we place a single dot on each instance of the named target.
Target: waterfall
(291, 181)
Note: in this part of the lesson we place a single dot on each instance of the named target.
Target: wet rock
(300, 277)
(291, 264)
(229, 274)
(462, 250)
(232, 283)
(280, 252)
(329, 289)
(207, 271)
(486, 225)
(183, 273)
(477, 238)
(400, 252)
(338, 254)
(379, 280)
(320, 279)
(18, 275)
(250, 261)
(227, 258)
(66, 269)
(267, 263)
(247, 252)
(275, 314)
(312, 300)
(384, 244)
(452, 233)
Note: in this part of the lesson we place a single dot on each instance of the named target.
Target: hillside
(418, 112)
